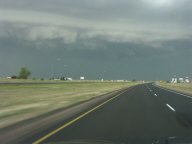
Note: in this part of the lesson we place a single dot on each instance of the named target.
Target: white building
(120, 80)
(187, 80)
(70, 79)
(181, 80)
(174, 80)
(82, 78)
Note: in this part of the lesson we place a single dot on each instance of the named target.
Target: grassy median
(23, 101)
(182, 87)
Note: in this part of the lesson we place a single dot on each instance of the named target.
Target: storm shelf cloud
(144, 39)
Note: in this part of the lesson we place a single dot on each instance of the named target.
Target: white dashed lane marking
(170, 107)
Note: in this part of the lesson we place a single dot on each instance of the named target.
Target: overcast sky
(113, 39)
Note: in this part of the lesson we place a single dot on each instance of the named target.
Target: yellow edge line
(72, 121)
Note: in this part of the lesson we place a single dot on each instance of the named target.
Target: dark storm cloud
(128, 39)
(109, 9)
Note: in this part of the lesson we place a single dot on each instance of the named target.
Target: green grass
(23, 101)
(182, 87)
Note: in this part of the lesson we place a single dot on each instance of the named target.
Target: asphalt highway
(145, 114)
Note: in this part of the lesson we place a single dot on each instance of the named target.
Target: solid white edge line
(170, 107)
(173, 91)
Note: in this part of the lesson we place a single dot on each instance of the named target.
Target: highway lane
(182, 104)
(144, 114)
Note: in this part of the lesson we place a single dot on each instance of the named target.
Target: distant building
(82, 78)
(174, 80)
(56, 79)
(70, 79)
(181, 80)
(120, 80)
(187, 80)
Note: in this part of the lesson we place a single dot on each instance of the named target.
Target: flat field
(22, 101)
(182, 87)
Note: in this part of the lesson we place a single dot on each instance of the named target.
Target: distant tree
(24, 73)
(13, 77)
(63, 78)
